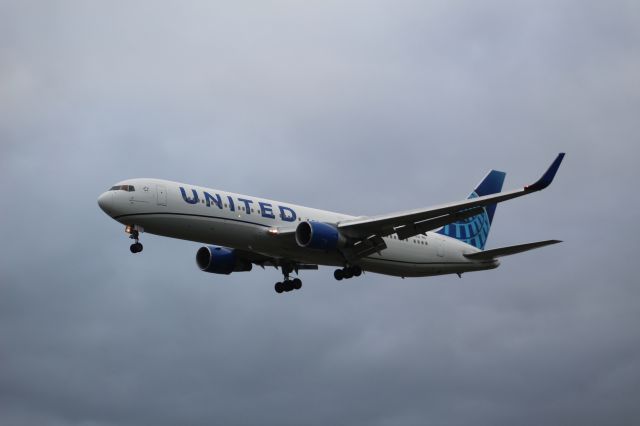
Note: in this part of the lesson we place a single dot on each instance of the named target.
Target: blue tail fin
(475, 230)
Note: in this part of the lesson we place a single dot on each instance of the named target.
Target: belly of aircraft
(247, 236)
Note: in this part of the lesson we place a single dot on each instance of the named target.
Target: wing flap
(365, 247)
(408, 231)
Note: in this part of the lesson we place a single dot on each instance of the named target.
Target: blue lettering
(193, 200)
(247, 204)
(267, 210)
(208, 198)
(231, 203)
(291, 217)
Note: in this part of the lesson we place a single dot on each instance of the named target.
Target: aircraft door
(162, 195)
(440, 247)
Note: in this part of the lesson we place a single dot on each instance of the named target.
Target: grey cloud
(361, 107)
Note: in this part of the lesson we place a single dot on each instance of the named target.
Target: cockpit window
(128, 188)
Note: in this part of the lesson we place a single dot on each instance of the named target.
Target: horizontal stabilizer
(507, 251)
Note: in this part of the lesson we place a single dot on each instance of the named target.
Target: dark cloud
(361, 107)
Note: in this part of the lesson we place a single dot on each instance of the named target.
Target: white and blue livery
(240, 231)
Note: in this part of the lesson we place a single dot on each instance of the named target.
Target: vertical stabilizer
(475, 230)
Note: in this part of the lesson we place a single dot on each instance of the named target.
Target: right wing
(413, 222)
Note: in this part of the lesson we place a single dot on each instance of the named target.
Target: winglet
(547, 178)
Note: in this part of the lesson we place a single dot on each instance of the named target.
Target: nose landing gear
(135, 235)
(136, 247)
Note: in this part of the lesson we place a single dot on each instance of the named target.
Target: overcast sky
(363, 107)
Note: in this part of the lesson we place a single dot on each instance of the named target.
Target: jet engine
(319, 236)
(221, 260)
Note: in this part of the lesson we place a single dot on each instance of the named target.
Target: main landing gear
(135, 235)
(347, 272)
(288, 284)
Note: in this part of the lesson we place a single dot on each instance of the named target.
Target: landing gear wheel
(357, 271)
(348, 273)
(135, 235)
(338, 274)
(297, 283)
(288, 284)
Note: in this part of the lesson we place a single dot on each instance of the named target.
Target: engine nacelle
(220, 260)
(319, 236)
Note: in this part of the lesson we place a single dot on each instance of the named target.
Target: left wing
(413, 222)
(264, 260)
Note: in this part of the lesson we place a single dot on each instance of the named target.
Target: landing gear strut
(347, 272)
(135, 235)
(288, 284)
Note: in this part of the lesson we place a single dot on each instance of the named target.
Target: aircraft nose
(105, 202)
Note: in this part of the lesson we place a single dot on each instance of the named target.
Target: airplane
(240, 231)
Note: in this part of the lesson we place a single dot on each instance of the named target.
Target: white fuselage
(211, 216)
